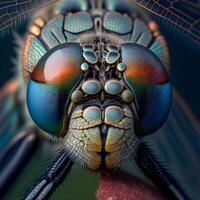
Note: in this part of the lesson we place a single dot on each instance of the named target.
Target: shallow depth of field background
(81, 184)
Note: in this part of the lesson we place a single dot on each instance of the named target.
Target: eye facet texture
(148, 79)
(50, 85)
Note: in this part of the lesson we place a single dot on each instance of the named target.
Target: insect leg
(14, 158)
(158, 175)
(52, 177)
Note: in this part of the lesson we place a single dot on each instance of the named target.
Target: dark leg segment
(158, 175)
(52, 177)
(14, 158)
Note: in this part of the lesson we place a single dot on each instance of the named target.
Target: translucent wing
(178, 145)
(184, 14)
(12, 12)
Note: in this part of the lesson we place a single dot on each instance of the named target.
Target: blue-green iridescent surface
(51, 84)
(176, 143)
(149, 81)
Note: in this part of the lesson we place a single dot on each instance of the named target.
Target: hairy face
(100, 130)
(101, 97)
(101, 133)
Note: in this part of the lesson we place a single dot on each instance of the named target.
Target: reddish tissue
(126, 187)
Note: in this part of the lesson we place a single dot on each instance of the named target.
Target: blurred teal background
(82, 184)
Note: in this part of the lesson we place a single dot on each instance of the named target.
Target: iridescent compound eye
(148, 79)
(51, 83)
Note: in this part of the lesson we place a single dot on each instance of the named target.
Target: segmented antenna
(14, 12)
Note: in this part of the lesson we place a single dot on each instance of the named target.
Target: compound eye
(50, 85)
(149, 80)
(60, 67)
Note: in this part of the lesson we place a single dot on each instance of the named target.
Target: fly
(95, 82)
